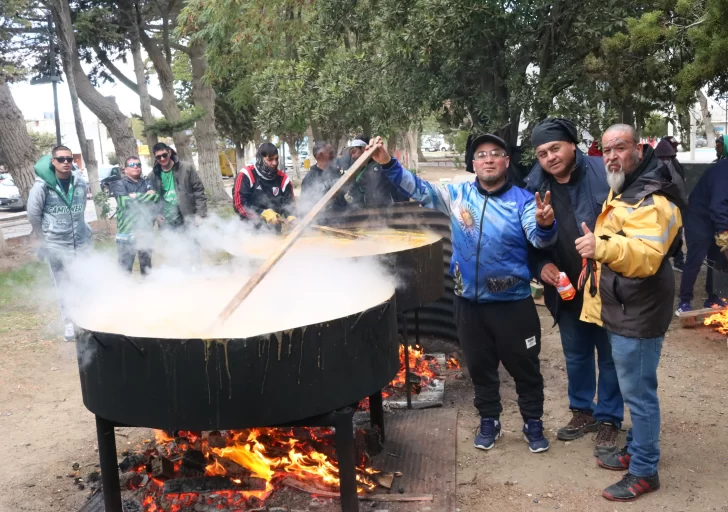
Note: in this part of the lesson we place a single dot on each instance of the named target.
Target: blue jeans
(636, 361)
(579, 339)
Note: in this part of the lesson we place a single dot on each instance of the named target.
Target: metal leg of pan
(417, 327)
(346, 454)
(405, 341)
(109, 465)
(376, 412)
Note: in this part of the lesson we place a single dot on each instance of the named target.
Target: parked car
(9, 193)
(107, 175)
(701, 142)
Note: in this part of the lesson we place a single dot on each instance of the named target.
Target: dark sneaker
(631, 487)
(715, 302)
(488, 433)
(606, 438)
(677, 267)
(581, 423)
(533, 434)
(684, 307)
(615, 461)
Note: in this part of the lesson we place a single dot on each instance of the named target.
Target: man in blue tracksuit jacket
(492, 225)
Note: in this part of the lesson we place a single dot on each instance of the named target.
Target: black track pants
(508, 333)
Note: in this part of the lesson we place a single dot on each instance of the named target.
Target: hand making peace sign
(544, 211)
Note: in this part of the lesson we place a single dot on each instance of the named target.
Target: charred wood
(212, 484)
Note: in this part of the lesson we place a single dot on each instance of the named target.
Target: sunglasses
(134, 164)
(161, 156)
(63, 159)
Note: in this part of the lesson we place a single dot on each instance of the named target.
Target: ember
(234, 469)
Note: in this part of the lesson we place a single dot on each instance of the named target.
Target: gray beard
(616, 180)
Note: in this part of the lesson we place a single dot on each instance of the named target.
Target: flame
(720, 320)
(268, 454)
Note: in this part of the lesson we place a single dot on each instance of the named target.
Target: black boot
(631, 487)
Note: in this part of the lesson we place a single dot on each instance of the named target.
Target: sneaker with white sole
(683, 307)
(533, 434)
(488, 433)
(69, 332)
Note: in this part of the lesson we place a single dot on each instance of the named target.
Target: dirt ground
(45, 428)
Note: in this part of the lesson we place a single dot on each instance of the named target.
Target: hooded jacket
(635, 234)
(187, 184)
(253, 194)
(587, 190)
(490, 233)
(59, 216)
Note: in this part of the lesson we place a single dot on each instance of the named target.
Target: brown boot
(606, 439)
(581, 423)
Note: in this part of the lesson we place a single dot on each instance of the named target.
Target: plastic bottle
(565, 288)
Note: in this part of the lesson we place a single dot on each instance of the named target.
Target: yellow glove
(721, 240)
(291, 219)
(270, 216)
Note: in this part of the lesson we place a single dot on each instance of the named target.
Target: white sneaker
(69, 333)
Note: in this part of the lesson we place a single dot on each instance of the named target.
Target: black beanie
(553, 129)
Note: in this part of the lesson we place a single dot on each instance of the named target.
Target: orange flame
(720, 320)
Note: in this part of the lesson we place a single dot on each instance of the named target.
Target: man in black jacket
(135, 203)
(262, 193)
(578, 188)
(320, 178)
(181, 191)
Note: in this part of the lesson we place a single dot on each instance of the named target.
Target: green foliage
(655, 126)
(112, 158)
(163, 127)
(43, 141)
(101, 200)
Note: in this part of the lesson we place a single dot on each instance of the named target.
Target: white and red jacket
(252, 194)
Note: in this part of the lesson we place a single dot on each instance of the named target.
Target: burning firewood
(213, 484)
(133, 461)
(162, 468)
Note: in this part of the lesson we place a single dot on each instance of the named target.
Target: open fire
(240, 469)
(719, 320)
(235, 469)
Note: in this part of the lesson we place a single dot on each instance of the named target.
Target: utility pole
(52, 76)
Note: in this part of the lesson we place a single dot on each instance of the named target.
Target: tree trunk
(707, 121)
(411, 139)
(145, 103)
(169, 102)
(392, 144)
(291, 141)
(205, 133)
(16, 147)
(4, 249)
(239, 157)
(93, 177)
(103, 107)
(311, 142)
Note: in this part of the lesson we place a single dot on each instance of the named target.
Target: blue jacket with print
(490, 233)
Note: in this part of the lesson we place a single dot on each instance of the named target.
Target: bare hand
(586, 246)
(133, 195)
(544, 211)
(381, 155)
(550, 274)
(149, 192)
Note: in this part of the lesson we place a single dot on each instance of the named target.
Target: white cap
(357, 143)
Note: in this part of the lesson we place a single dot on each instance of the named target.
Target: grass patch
(17, 286)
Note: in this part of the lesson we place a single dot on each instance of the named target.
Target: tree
(43, 141)
(17, 151)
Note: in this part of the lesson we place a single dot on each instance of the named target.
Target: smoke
(196, 272)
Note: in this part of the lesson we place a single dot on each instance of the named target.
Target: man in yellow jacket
(630, 288)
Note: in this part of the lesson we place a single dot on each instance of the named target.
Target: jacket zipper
(477, 251)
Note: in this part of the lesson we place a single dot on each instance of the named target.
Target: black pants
(701, 245)
(508, 333)
(127, 252)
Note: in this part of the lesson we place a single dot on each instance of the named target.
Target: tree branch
(179, 47)
(104, 59)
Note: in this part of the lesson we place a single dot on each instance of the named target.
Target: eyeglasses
(161, 156)
(134, 164)
(63, 159)
(493, 153)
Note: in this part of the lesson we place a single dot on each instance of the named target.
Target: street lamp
(53, 78)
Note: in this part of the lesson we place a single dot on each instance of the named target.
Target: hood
(653, 177)
(665, 150)
(45, 172)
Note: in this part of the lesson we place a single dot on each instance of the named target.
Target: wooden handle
(294, 235)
